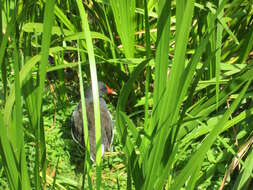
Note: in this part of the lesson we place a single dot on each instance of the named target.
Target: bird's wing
(107, 124)
(91, 128)
(77, 131)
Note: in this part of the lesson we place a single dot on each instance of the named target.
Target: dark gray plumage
(106, 122)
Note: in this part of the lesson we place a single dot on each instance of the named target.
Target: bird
(105, 117)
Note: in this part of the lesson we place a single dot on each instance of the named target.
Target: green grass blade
(40, 139)
(131, 128)
(87, 163)
(20, 150)
(124, 16)
(64, 19)
(93, 71)
(162, 50)
(218, 57)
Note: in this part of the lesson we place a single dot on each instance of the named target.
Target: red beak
(110, 90)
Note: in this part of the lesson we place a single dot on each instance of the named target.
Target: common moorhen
(106, 121)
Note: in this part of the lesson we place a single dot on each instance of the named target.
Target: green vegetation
(182, 71)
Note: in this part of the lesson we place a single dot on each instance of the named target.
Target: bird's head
(105, 89)
(102, 90)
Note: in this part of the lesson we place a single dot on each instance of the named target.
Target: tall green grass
(152, 167)
(183, 70)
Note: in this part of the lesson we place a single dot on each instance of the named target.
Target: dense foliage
(182, 71)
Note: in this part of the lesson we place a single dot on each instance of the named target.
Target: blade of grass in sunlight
(162, 51)
(180, 7)
(93, 71)
(131, 127)
(18, 130)
(192, 65)
(18, 110)
(40, 139)
(218, 57)
(87, 163)
(124, 16)
(121, 106)
(59, 14)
